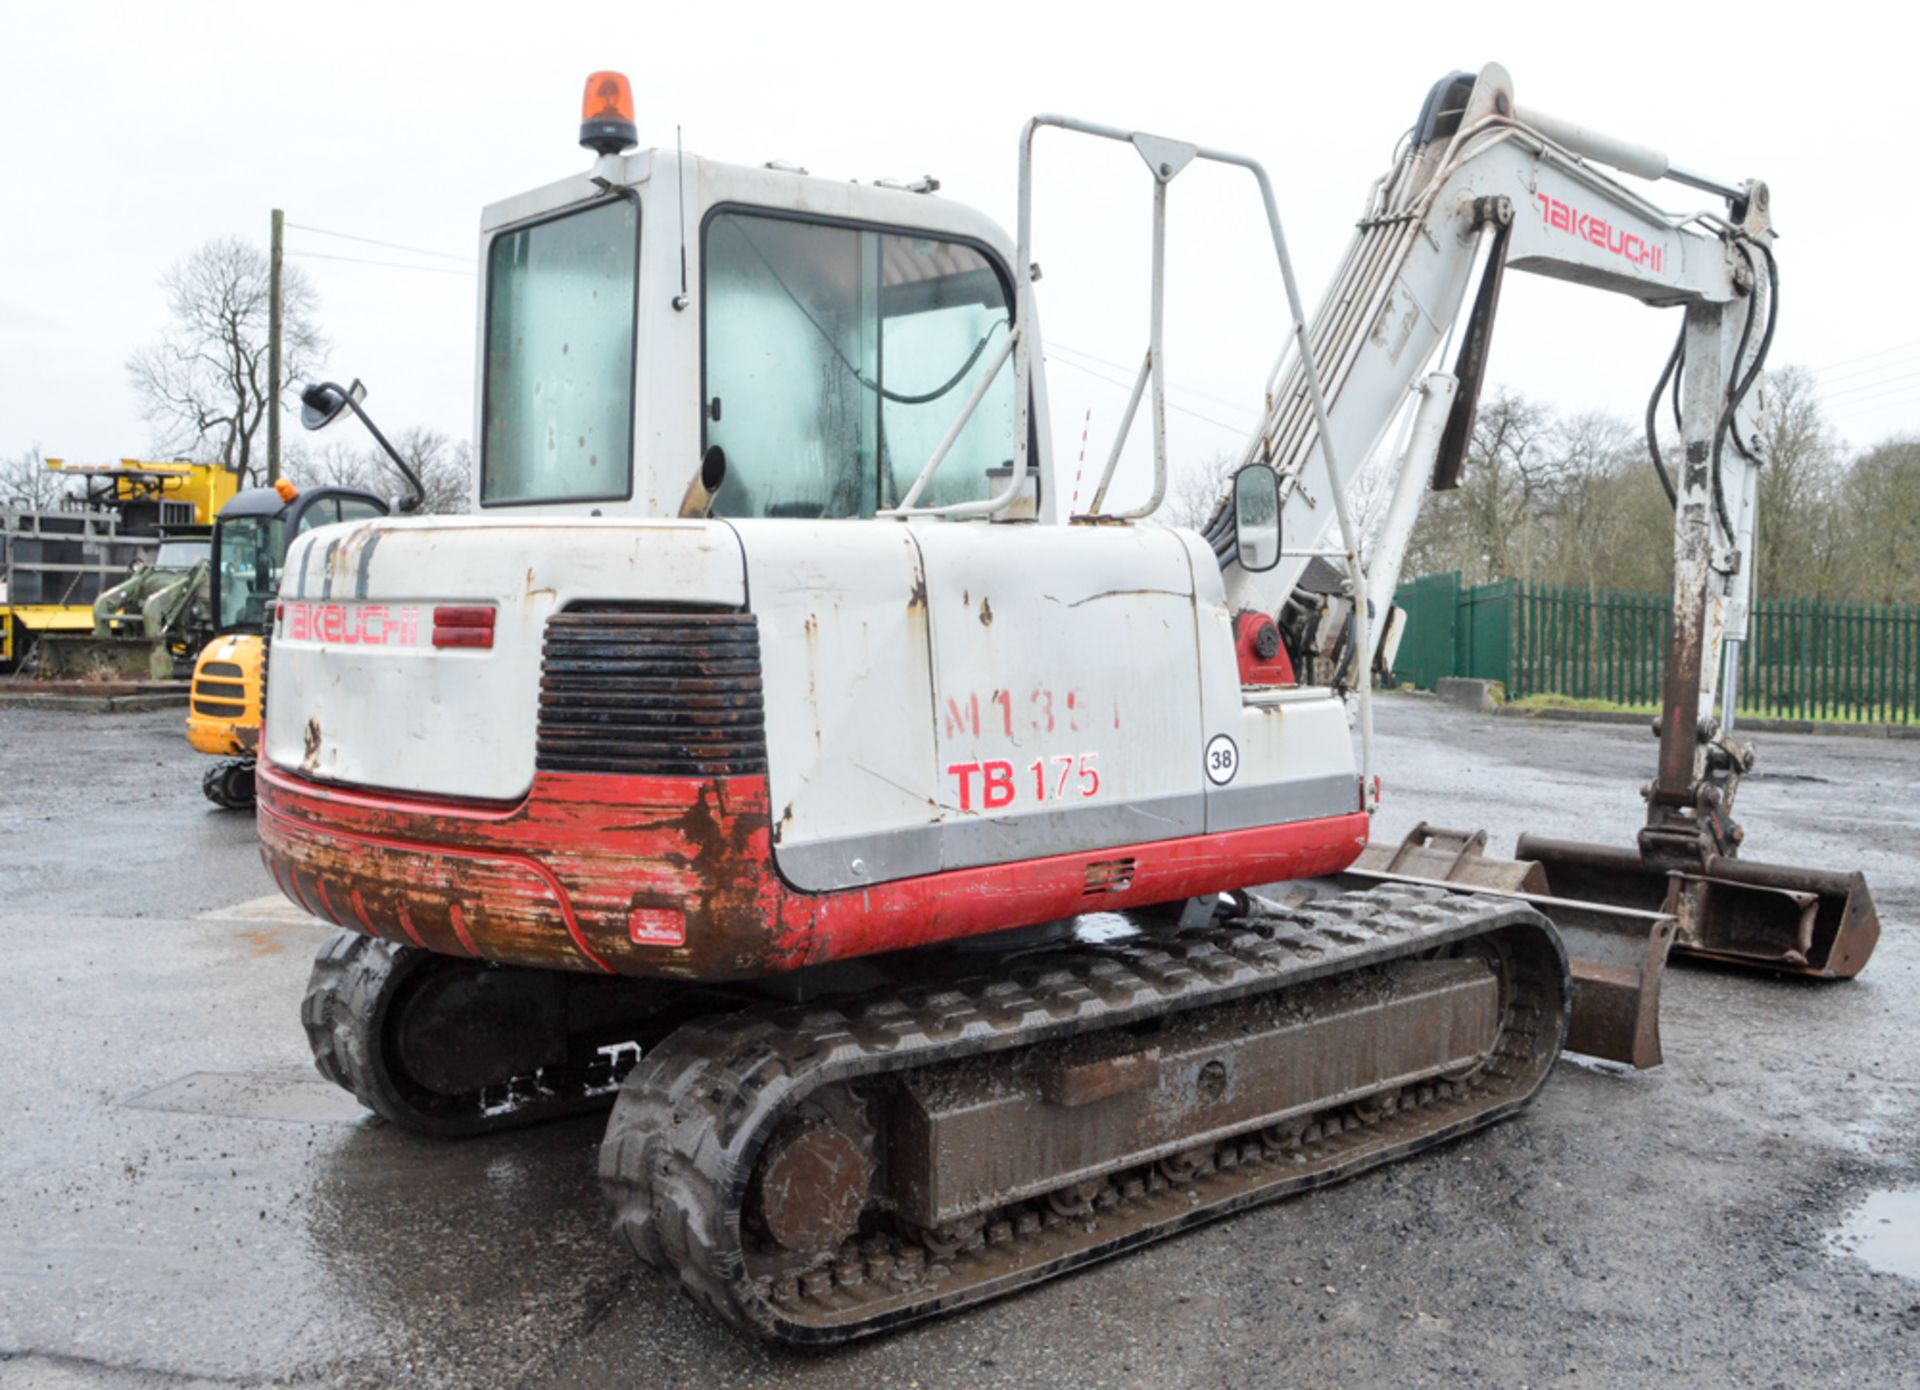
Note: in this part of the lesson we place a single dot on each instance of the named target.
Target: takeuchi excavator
(947, 889)
(250, 540)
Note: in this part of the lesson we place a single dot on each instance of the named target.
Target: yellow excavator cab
(250, 539)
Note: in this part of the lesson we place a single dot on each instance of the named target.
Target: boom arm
(1483, 183)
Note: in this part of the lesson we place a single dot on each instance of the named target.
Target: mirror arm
(407, 504)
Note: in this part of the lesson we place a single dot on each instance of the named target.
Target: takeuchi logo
(1602, 233)
(352, 625)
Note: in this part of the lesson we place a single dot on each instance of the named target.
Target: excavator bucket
(1616, 952)
(1762, 916)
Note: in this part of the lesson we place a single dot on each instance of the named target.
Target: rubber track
(343, 1011)
(694, 1114)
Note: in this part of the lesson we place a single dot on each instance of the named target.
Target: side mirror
(322, 402)
(1256, 517)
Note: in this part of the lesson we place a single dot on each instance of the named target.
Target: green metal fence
(1804, 658)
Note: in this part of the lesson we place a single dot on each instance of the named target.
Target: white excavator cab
(822, 335)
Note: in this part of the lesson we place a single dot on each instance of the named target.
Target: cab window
(558, 405)
(249, 551)
(838, 356)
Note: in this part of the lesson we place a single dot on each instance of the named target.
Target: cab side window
(837, 357)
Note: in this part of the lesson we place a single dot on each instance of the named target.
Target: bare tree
(1800, 476)
(1194, 493)
(1482, 528)
(445, 467)
(26, 481)
(204, 384)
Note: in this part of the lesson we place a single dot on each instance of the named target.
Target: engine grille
(219, 690)
(651, 692)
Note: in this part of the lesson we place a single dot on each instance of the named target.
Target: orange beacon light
(606, 114)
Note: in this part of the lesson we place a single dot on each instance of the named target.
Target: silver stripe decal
(1275, 803)
(824, 865)
(326, 574)
(368, 544)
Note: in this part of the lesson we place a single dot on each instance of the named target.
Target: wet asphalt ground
(183, 1201)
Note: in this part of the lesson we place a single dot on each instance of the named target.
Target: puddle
(1884, 1231)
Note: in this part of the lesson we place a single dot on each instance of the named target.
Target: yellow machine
(250, 538)
(133, 484)
(55, 561)
(223, 713)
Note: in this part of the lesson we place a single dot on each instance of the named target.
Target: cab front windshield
(251, 551)
(180, 554)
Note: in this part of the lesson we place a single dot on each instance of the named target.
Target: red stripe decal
(460, 930)
(293, 891)
(406, 925)
(360, 911)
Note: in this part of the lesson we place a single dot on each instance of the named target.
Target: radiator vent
(1108, 876)
(651, 692)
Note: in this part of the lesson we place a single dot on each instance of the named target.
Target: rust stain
(986, 612)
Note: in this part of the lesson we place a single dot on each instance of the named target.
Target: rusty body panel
(674, 876)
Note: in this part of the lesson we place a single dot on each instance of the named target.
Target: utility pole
(273, 350)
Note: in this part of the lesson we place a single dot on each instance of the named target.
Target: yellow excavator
(250, 540)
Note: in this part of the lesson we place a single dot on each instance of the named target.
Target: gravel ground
(182, 1201)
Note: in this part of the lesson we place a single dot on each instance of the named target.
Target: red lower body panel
(675, 877)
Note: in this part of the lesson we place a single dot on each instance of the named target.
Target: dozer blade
(1616, 952)
(1763, 916)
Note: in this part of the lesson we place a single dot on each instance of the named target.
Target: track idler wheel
(451, 1047)
(229, 784)
(811, 1185)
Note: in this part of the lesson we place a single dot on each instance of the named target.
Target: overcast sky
(133, 132)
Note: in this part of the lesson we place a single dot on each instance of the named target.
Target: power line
(363, 260)
(1870, 386)
(1240, 431)
(1867, 356)
(1895, 390)
(1123, 367)
(390, 245)
(1870, 370)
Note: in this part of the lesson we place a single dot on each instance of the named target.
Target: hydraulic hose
(1670, 371)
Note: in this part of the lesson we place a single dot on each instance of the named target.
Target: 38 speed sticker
(1223, 760)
